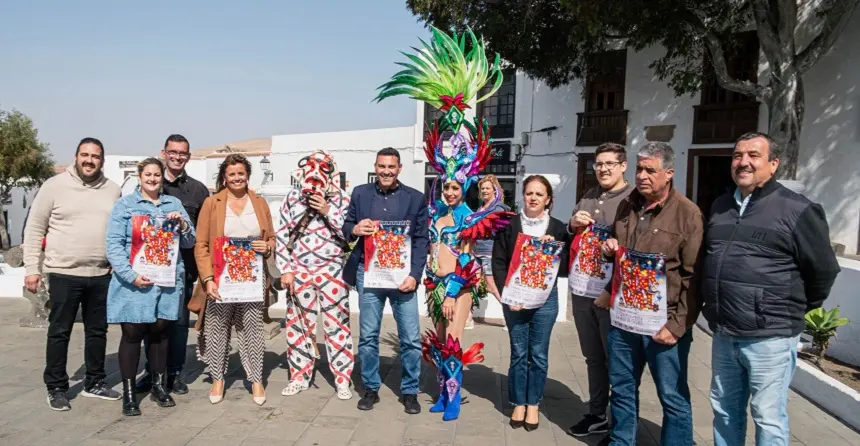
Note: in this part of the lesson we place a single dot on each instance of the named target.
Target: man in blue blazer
(387, 200)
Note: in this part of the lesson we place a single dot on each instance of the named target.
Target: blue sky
(130, 73)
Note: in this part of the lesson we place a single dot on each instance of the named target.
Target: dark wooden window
(431, 114)
(498, 109)
(585, 176)
(604, 119)
(725, 115)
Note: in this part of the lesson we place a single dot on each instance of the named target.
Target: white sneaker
(470, 324)
(294, 388)
(343, 392)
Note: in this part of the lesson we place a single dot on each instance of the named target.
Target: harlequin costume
(443, 75)
(311, 247)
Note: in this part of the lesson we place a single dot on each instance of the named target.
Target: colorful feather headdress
(443, 75)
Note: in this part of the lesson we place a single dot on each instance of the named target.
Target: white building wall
(353, 151)
(829, 164)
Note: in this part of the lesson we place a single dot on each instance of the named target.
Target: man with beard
(310, 253)
(767, 262)
(192, 193)
(71, 212)
(387, 200)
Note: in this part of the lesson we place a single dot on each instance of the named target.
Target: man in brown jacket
(658, 232)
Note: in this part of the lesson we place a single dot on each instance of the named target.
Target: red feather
(469, 271)
(488, 226)
(430, 146)
(474, 354)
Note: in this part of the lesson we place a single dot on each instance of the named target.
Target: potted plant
(821, 324)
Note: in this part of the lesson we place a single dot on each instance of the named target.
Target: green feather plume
(443, 68)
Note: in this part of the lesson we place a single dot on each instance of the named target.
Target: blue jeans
(628, 354)
(530, 331)
(177, 339)
(761, 368)
(405, 307)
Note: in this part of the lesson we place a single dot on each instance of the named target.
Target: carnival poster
(238, 270)
(387, 255)
(532, 272)
(155, 248)
(589, 272)
(639, 303)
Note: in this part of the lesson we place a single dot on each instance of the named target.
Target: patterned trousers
(323, 292)
(214, 345)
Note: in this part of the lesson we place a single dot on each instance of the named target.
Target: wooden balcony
(723, 123)
(597, 127)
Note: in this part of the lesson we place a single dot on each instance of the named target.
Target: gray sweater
(602, 204)
(73, 215)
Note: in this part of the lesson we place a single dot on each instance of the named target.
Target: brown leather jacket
(676, 231)
(210, 225)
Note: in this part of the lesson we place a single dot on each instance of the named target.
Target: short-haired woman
(529, 329)
(140, 307)
(234, 211)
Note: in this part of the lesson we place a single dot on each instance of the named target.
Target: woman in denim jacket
(134, 301)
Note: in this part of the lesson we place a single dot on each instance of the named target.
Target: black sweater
(503, 248)
(765, 269)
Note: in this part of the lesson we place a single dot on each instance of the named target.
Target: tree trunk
(785, 120)
(4, 233)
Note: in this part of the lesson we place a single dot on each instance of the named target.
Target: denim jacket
(119, 243)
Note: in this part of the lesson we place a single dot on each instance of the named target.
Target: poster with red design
(638, 303)
(387, 255)
(238, 270)
(589, 272)
(155, 248)
(532, 272)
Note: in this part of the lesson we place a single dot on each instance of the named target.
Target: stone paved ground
(317, 417)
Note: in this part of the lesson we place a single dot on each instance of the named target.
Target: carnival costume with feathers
(443, 75)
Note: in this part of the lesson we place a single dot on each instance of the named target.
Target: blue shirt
(741, 202)
(402, 203)
(127, 302)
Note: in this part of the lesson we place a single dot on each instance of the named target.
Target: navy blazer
(411, 206)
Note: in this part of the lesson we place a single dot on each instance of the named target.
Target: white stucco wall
(846, 345)
(354, 153)
(830, 142)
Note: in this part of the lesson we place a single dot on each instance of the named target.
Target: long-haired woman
(237, 212)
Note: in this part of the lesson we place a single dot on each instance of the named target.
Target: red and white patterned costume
(316, 261)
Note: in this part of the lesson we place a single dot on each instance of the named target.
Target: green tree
(556, 41)
(25, 161)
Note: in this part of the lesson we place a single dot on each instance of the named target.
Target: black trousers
(68, 293)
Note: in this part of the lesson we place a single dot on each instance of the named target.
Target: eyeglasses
(608, 165)
(175, 154)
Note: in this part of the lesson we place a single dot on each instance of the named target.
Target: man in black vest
(767, 262)
(192, 193)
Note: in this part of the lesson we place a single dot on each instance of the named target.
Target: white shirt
(535, 227)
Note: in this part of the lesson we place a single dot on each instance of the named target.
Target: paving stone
(317, 417)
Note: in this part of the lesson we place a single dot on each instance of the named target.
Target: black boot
(129, 399)
(144, 383)
(176, 385)
(159, 392)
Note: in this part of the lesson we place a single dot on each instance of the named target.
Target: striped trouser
(322, 292)
(214, 345)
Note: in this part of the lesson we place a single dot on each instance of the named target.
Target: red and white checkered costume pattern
(317, 262)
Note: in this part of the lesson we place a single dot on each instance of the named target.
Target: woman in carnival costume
(443, 75)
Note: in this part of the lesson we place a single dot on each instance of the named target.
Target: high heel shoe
(258, 400)
(516, 424)
(530, 427)
(215, 399)
(159, 393)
